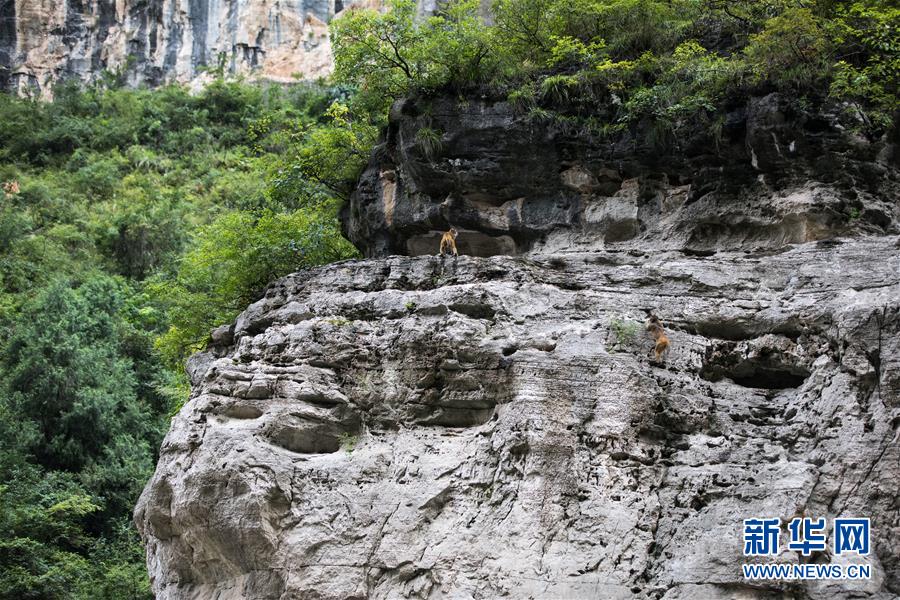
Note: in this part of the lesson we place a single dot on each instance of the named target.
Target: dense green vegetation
(133, 221)
(602, 66)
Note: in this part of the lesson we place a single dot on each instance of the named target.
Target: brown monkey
(11, 187)
(659, 334)
(448, 242)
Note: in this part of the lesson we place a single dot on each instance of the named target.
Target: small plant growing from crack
(624, 333)
(410, 306)
(429, 141)
(338, 321)
(348, 441)
(488, 491)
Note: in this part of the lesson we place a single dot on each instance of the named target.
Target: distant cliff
(156, 41)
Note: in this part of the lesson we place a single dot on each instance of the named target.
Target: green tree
(791, 51)
(380, 52)
(115, 185)
(66, 376)
(232, 262)
(330, 156)
(388, 54)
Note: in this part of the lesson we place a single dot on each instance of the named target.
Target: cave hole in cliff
(752, 374)
(475, 310)
(242, 411)
(816, 125)
(306, 437)
(771, 379)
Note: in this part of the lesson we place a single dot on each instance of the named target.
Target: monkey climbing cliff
(494, 426)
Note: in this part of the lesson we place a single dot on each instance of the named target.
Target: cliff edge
(493, 426)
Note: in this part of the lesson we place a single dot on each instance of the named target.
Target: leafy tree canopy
(131, 223)
(608, 63)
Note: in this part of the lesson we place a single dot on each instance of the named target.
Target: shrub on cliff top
(232, 261)
(620, 61)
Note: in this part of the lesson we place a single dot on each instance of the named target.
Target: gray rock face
(156, 41)
(493, 427)
(511, 184)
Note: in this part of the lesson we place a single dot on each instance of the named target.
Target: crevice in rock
(242, 411)
(446, 416)
(306, 436)
(476, 310)
(740, 330)
(771, 379)
(752, 374)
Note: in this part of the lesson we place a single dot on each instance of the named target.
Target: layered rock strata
(493, 427)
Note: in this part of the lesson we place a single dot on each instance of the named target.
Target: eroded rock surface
(493, 427)
(513, 184)
(156, 41)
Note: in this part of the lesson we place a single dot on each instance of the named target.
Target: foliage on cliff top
(611, 63)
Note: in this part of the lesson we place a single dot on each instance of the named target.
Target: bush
(624, 333)
(429, 141)
(791, 51)
(232, 262)
(599, 64)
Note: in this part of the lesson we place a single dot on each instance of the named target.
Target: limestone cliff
(512, 184)
(492, 427)
(156, 41)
